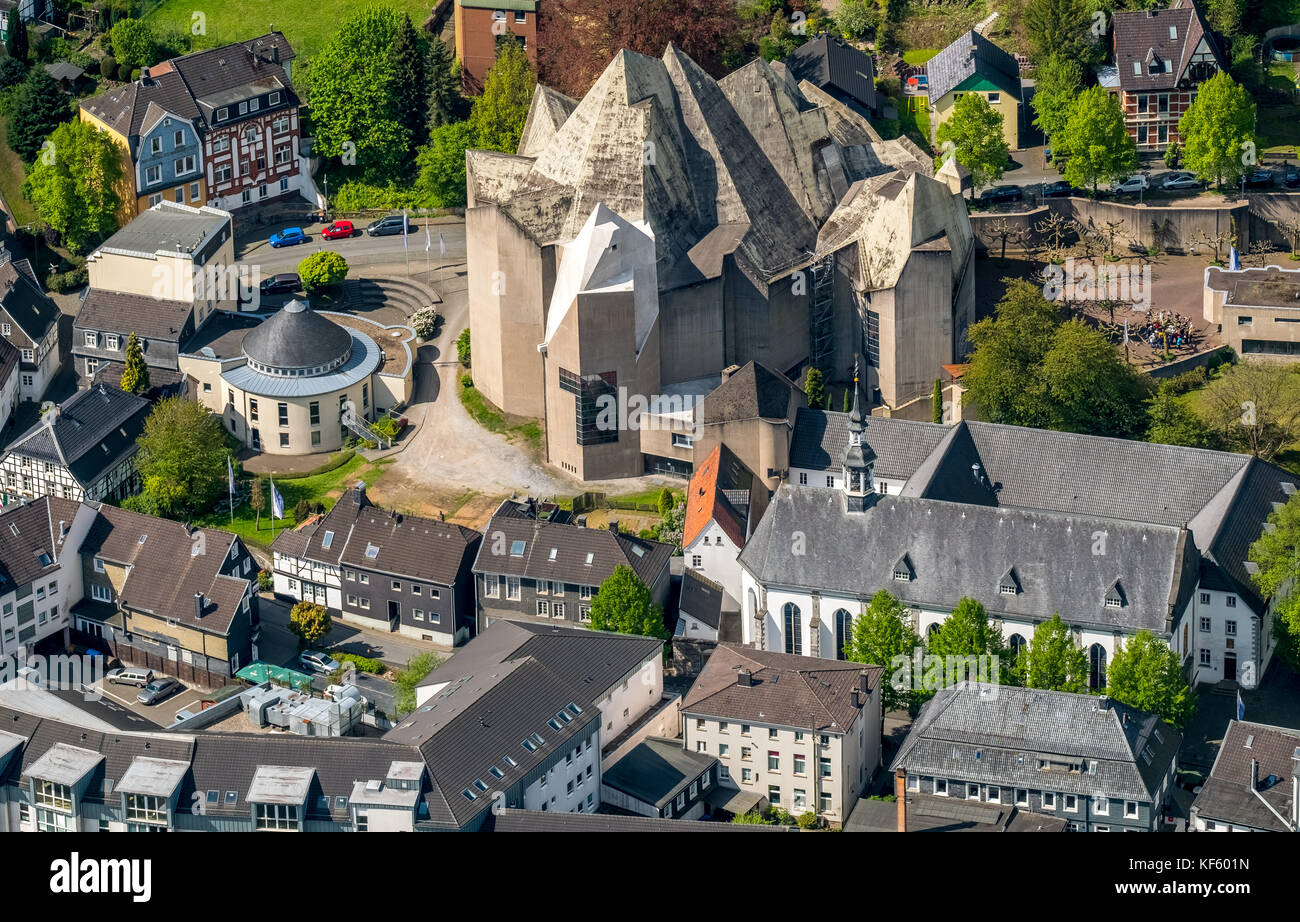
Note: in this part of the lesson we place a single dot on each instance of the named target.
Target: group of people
(1164, 330)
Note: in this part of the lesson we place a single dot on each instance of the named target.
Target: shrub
(302, 510)
(12, 72)
(808, 820)
(108, 66)
(124, 72)
(72, 280)
(265, 581)
(467, 381)
(322, 269)
(363, 664)
(385, 426)
(462, 347)
(354, 195)
(424, 322)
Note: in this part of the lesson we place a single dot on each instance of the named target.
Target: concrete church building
(669, 226)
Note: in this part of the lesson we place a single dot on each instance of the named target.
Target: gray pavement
(279, 645)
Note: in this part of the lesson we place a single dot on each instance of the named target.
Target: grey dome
(297, 340)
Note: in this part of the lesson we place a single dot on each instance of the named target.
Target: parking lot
(163, 713)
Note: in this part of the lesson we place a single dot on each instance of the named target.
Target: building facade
(37, 585)
(481, 25)
(1257, 311)
(974, 65)
(29, 321)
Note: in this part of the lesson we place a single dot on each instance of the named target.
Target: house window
(284, 413)
(92, 339)
(1130, 809)
(492, 586)
(1071, 803)
(995, 99)
(223, 173)
(512, 588)
(774, 761)
(194, 192)
(941, 786)
(283, 154)
(254, 105)
(178, 139)
(184, 165)
(252, 410)
(1205, 658)
(365, 603)
(152, 174)
(284, 440)
(800, 764)
(1049, 800)
(521, 16)
(774, 795)
(276, 817)
(1022, 797)
(155, 145)
(1230, 628)
(111, 341)
(273, 99)
(1205, 625)
(803, 480)
(1205, 598)
(696, 561)
(1230, 601)
(793, 629)
(221, 145)
(223, 114)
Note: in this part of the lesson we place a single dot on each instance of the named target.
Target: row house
(36, 589)
(1141, 556)
(537, 567)
(1254, 785)
(82, 449)
(382, 569)
(1100, 765)
(217, 127)
(1160, 58)
(794, 732)
(29, 321)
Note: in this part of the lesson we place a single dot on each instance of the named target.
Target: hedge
(331, 465)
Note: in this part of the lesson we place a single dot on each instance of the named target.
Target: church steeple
(859, 482)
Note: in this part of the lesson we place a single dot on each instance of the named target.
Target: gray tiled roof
(959, 550)
(93, 431)
(1141, 35)
(167, 226)
(655, 771)
(753, 391)
(820, 437)
(827, 61)
(143, 315)
(30, 308)
(28, 530)
(997, 734)
(1226, 796)
(931, 813)
(535, 821)
(701, 598)
(969, 55)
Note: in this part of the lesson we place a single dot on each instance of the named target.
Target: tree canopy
(498, 116)
(441, 180)
(1277, 554)
(1062, 27)
(624, 605)
(181, 459)
(75, 185)
(38, 108)
(881, 634)
(322, 269)
(135, 375)
(133, 43)
(974, 130)
(1053, 659)
(967, 632)
(1145, 674)
(310, 621)
(1218, 131)
(1097, 145)
(1059, 80)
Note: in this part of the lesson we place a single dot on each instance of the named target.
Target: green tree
(74, 185)
(462, 347)
(181, 458)
(936, 402)
(856, 18)
(445, 104)
(257, 500)
(1171, 422)
(1145, 673)
(879, 637)
(967, 632)
(410, 54)
(1098, 147)
(1090, 387)
(499, 114)
(406, 680)
(311, 622)
(1053, 659)
(135, 376)
(356, 103)
(322, 269)
(1062, 27)
(133, 43)
(814, 388)
(974, 130)
(624, 605)
(1059, 80)
(441, 181)
(17, 44)
(1004, 378)
(666, 502)
(12, 72)
(1277, 554)
(38, 108)
(1217, 130)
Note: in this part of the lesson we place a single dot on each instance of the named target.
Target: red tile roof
(706, 500)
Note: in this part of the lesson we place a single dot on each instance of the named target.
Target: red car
(339, 229)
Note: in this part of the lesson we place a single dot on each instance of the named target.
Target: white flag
(405, 227)
(277, 502)
(442, 247)
(428, 244)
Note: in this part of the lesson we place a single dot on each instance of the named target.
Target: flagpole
(231, 485)
(405, 245)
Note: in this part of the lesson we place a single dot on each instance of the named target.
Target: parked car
(159, 690)
(1059, 190)
(999, 194)
(129, 676)
(282, 284)
(1292, 177)
(288, 237)
(339, 230)
(1138, 182)
(393, 224)
(1259, 179)
(318, 662)
(1175, 181)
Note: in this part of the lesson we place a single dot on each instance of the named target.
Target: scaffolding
(821, 313)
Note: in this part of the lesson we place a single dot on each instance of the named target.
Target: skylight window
(555, 724)
(468, 794)
(554, 551)
(327, 540)
(575, 709)
(589, 558)
(638, 550)
(143, 538)
(496, 772)
(537, 738)
(480, 784)
(511, 762)
(529, 745)
(564, 717)
(517, 548)
(372, 551)
(45, 559)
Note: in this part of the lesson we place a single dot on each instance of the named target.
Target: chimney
(200, 603)
(729, 371)
(1103, 702)
(442, 516)
(359, 493)
(582, 521)
(856, 697)
(1254, 774)
(744, 678)
(900, 795)
(144, 76)
(613, 524)
(63, 530)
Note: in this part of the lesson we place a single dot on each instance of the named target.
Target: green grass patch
(1277, 129)
(307, 24)
(919, 55)
(914, 119)
(12, 174)
(483, 412)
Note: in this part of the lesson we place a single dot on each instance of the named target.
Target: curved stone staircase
(371, 293)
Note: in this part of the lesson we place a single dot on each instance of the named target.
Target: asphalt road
(361, 252)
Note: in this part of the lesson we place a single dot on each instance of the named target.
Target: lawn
(914, 119)
(307, 24)
(322, 488)
(919, 56)
(12, 174)
(492, 419)
(1277, 129)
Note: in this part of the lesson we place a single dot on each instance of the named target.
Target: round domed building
(286, 384)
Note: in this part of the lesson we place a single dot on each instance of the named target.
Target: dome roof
(298, 341)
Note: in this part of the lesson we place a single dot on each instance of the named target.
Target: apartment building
(1254, 785)
(37, 589)
(29, 321)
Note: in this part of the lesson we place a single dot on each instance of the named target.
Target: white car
(1136, 183)
(318, 662)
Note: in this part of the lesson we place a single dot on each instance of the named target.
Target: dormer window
(903, 570)
(1009, 584)
(1115, 596)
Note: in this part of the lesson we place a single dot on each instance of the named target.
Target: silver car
(1181, 181)
(158, 690)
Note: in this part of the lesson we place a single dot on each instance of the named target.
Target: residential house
(10, 379)
(508, 820)
(382, 569)
(706, 611)
(529, 568)
(169, 597)
(915, 812)
(1254, 785)
(621, 674)
(481, 25)
(161, 277)
(724, 501)
(1099, 764)
(1141, 556)
(82, 449)
(29, 321)
(1257, 311)
(802, 733)
(796, 238)
(658, 778)
(218, 127)
(1161, 57)
(36, 590)
(836, 67)
(974, 64)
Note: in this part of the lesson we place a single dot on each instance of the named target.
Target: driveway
(279, 645)
(1276, 701)
(121, 698)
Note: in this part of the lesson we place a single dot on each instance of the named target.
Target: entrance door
(1229, 667)
(257, 440)
(394, 615)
